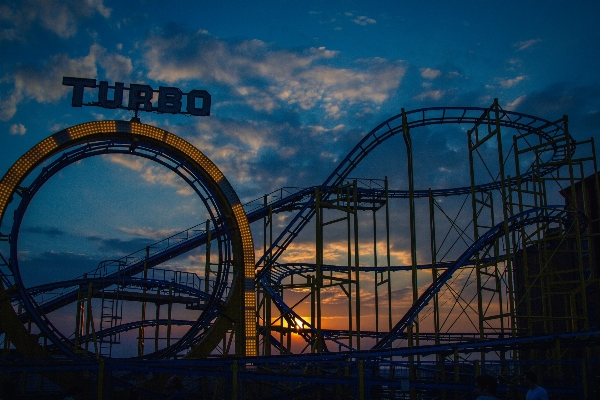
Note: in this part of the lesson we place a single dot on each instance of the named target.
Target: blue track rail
(302, 201)
(550, 133)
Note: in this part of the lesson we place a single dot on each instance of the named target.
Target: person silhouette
(485, 387)
(535, 392)
(175, 386)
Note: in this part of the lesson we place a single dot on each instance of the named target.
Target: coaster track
(269, 273)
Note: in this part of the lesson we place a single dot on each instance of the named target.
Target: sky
(294, 85)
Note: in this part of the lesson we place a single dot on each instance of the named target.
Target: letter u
(103, 95)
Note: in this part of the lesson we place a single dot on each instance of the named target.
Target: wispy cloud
(336, 253)
(152, 173)
(512, 64)
(134, 163)
(234, 146)
(265, 154)
(150, 233)
(43, 83)
(526, 44)
(157, 175)
(364, 20)
(176, 56)
(54, 266)
(579, 102)
(434, 95)
(17, 129)
(116, 66)
(120, 246)
(266, 78)
(515, 103)
(429, 73)
(44, 230)
(508, 83)
(60, 17)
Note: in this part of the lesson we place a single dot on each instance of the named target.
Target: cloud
(513, 63)
(263, 154)
(150, 233)
(580, 103)
(134, 163)
(562, 99)
(429, 73)
(514, 104)
(434, 95)
(60, 17)
(236, 146)
(153, 173)
(177, 56)
(526, 44)
(43, 83)
(251, 136)
(17, 129)
(258, 99)
(336, 253)
(156, 175)
(42, 230)
(9, 35)
(54, 266)
(58, 126)
(508, 83)
(255, 155)
(364, 20)
(266, 78)
(120, 246)
(116, 67)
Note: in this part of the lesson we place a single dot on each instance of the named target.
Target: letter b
(169, 100)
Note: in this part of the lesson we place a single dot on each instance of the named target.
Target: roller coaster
(498, 275)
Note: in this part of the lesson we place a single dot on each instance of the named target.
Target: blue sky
(294, 85)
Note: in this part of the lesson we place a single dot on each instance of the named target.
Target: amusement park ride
(502, 275)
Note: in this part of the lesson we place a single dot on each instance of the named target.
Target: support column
(413, 329)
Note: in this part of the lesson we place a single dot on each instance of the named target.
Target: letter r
(140, 94)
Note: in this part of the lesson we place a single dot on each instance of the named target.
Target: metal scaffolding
(407, 293)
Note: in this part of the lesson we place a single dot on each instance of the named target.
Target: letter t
(78, 85)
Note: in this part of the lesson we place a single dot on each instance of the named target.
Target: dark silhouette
(485, 387)
(9, 389)
(512, 392)
(535, 392)
(175, 386)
